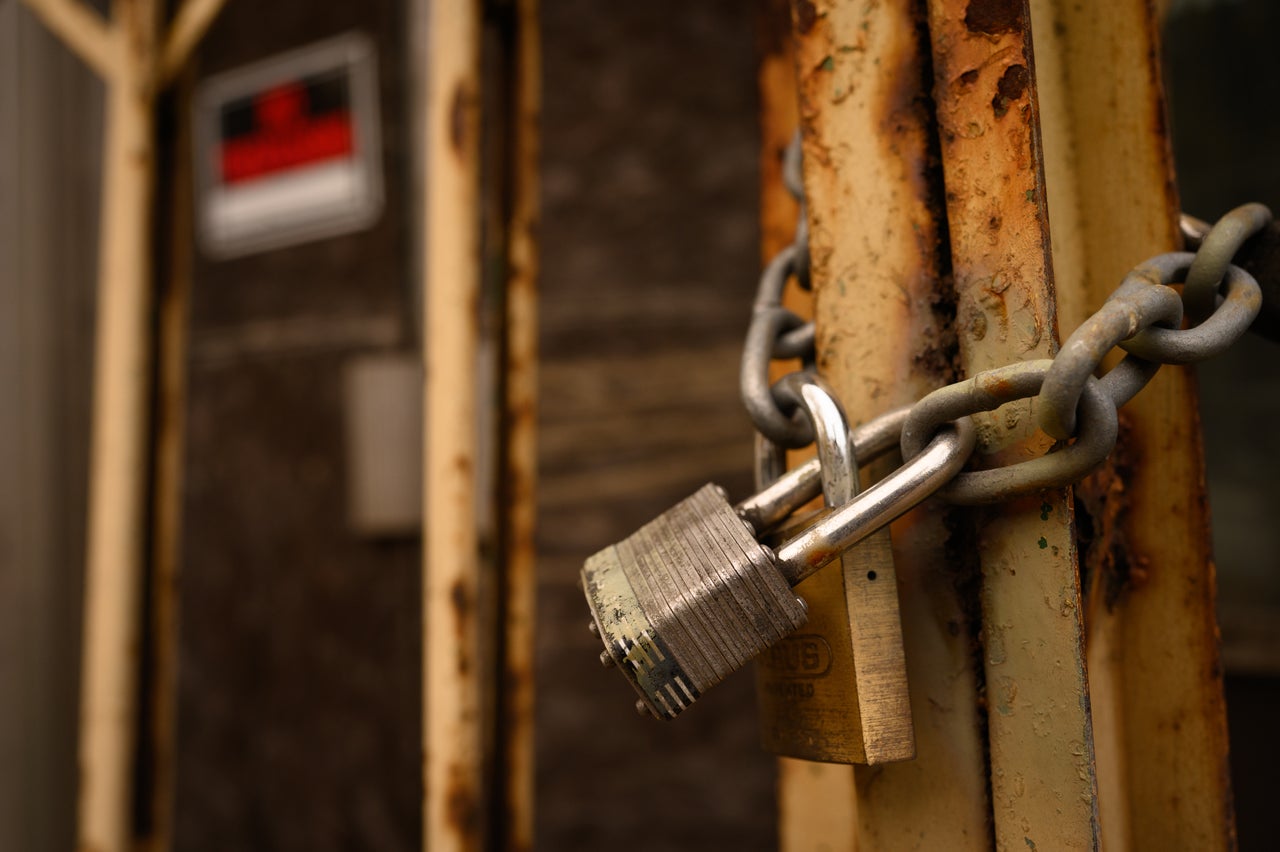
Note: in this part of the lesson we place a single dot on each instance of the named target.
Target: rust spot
(458, 119)
(1109, 566)
(1012, 86)
(910, 132)
(773, 28)
(806, 16)
(461, 601)
(1160, 121)
(462, 808)
(999, 387)
(969, 77)
(994, 17)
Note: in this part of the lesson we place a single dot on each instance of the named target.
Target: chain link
(991, 389)
(1213, 257)
(1143, 317)
(777, 333)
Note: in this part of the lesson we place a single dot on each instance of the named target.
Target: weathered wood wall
(650, 248)
(298, 722)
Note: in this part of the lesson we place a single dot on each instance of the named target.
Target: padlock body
(686, 600)
(836, 691)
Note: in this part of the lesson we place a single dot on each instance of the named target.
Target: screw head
(591, 625)
(642, 708)
(607, 660)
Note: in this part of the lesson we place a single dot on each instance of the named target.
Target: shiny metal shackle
(780, 493)
(879, 505)
(836, 457)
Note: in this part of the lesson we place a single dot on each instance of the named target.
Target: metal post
(1024, 138)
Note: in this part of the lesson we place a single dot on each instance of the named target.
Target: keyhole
(871, 575)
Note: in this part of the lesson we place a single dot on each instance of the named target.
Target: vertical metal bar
(1154, 664)
(883, 310)
(815, 800)
(118, 467)
(1043, 787)
(453, 778)
(520, 421)
(173, 307)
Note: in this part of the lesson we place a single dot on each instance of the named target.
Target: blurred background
(298, 713)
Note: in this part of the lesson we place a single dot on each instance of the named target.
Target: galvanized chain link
(777, 333)
(1072, 404)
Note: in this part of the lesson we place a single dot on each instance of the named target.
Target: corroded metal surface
(453, 809)
(812, 797)
(883, 309)
(1154, 665)
(1039, 730)
(520, 461)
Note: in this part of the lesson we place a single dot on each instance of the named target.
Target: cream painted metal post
(813, 798)
(1105, 180)
(125, 53)
(478, 683)
(1040, 735)
(883, 308)
(1154, 661)
(454, 816)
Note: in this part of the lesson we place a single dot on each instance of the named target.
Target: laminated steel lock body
(687, 599)
(692, 595)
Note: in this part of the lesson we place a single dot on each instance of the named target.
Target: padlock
(837, 691)
(688, 599)
(692, 595)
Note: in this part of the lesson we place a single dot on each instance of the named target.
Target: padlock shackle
(879, 505)
(781, 498)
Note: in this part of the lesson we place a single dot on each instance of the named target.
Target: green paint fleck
(1031, 195)
(1031, 844)
(1043, 542)
(1045, 509)
(828, 64)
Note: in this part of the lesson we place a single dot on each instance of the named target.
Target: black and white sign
(288, 150)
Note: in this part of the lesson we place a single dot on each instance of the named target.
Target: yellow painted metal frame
(1055, 177)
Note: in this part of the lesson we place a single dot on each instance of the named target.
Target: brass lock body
(836, 691)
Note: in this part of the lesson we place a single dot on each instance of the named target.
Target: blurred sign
(288, 150)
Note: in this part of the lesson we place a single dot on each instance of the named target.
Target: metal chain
(776, 333)
(1072, 404)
